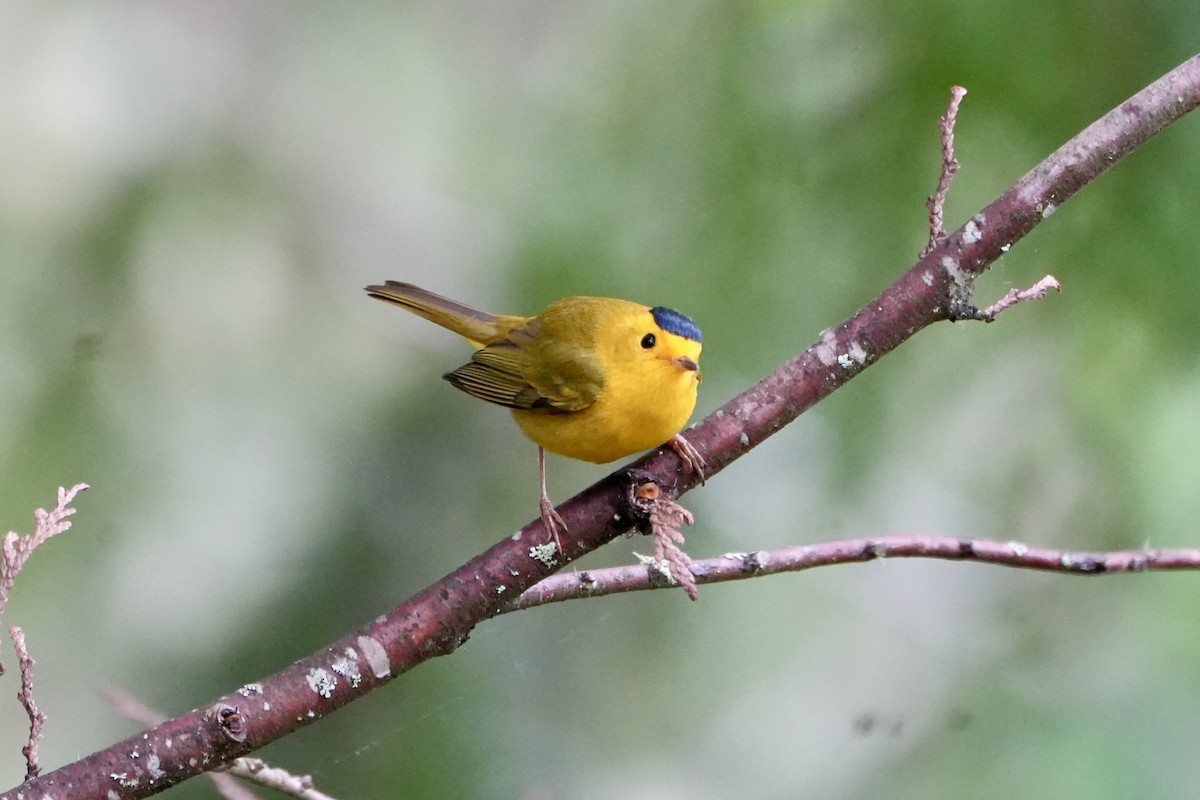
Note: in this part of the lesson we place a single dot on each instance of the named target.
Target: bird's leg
(550, 517)
(692, 460)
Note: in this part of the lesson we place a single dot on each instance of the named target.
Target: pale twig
(130, 707)
(36, 718)
(17, 548)
(229, 787)
(1014, 296)
(936, 202)
(262, 773)
(740, 566)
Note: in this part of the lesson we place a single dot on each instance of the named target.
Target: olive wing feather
(527, 371)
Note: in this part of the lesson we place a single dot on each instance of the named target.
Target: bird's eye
(648, 341)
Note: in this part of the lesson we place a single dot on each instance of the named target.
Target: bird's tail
(479, 327)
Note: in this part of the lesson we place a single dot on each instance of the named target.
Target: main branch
(438, 619)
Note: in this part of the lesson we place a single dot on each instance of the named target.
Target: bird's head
(677, 340)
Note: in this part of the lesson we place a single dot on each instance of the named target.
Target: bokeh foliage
(193, 197)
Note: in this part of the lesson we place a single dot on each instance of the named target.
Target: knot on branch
(232, 722)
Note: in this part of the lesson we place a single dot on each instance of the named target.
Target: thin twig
(17, 548)
(262, 773)
(740, 566)
(229, 787)
(1015, 296)
(36, 718)
(130, 707)
(936, 202)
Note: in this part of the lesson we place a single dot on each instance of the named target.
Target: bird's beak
(683, 362)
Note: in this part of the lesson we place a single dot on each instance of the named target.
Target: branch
(254, 770)
(740, 566)
(438, 619)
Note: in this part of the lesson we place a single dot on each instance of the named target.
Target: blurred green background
(193, 196)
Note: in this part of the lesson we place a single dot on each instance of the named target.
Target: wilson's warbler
(592, 378)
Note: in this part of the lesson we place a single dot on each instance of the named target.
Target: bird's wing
(529, 372)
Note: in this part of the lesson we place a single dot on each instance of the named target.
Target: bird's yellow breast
(612, 428)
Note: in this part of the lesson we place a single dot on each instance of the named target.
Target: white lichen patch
(321, 681)
(1017, 548)
(1049, 209)
(123, 780)
(544, 553)
(348, 669)
(251, 689)
(826, 349)
(927, 278)
(971, 232)
(375, 655)
(953, 269)
(963, 288)
(154, 767)
(661, 567)
(855, 355)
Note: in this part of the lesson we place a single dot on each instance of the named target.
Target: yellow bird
(592, 378)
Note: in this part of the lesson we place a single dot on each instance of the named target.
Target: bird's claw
(553, 522)
(693, 462)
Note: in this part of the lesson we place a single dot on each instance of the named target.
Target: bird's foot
(553, 522)
(692, 460)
